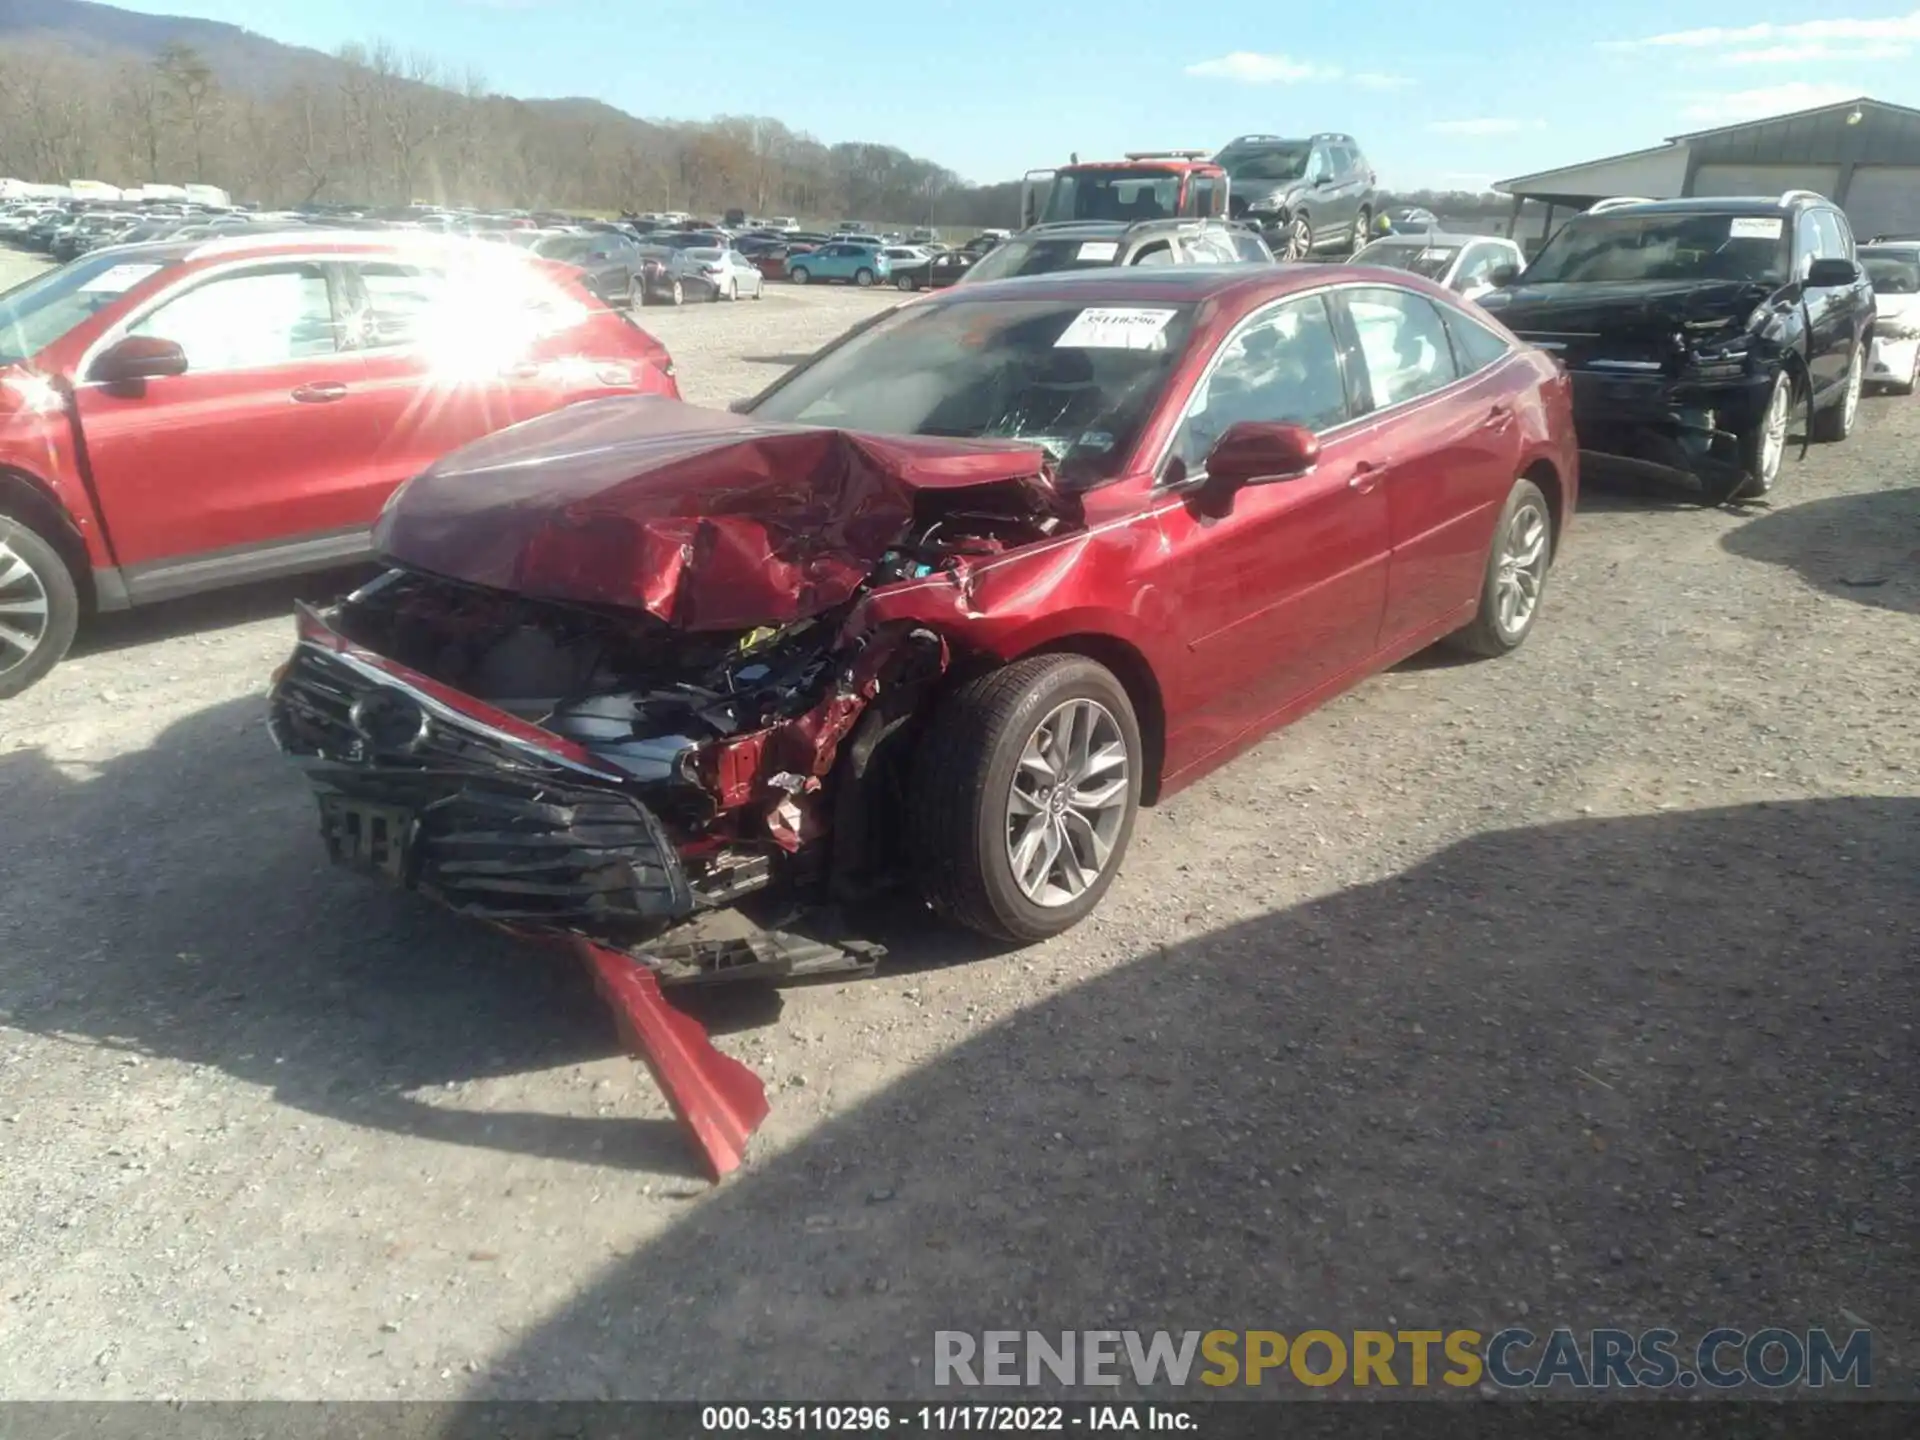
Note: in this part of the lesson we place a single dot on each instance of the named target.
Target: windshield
(1428, 260)
(1126, 195)
(1269, 163)
(1893, 274)
(1044, 257)
(1079, 380)
(34, 315)
(1590, 248)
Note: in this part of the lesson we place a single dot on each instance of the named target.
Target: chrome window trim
(193, 280)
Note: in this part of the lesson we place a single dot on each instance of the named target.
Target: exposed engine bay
(549, 765)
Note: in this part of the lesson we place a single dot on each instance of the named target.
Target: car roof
(1437, 239)
(1905, 249)
(1165, 283)
(1713, 205)
(266, 242)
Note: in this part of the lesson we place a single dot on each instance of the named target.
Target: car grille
(484, 827)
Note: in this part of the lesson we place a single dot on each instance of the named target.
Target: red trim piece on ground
(718, 1101)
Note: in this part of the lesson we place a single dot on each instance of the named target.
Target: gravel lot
(1576, 988)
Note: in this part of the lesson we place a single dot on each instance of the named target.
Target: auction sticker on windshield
(1114, 328)
(1756, 227)
(1097, 250)
(117, 279)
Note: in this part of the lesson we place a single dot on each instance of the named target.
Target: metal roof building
(1864, 154)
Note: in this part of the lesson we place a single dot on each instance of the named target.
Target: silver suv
(1093, 244)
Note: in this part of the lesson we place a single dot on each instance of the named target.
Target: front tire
(1835, 423)
(39, 607)
(1298, 241)
(679, 293)
(1764, 445)
(1023, 797)
(636, 295)
(1517, 565)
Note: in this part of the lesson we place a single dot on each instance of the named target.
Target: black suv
(1696, 331)
(1306, 197)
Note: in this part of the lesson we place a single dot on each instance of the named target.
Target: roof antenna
(1073, 157)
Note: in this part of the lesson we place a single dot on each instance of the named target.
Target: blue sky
(1451, 95)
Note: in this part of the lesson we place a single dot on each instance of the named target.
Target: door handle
(1500, 416)
(319, 392)
(1366, 476)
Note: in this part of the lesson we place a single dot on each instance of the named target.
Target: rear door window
(1403, 344)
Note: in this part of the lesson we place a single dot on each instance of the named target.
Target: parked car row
(325, 368)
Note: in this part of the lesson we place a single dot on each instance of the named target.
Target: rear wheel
(39, 607)
(905, 282)
(1362, 230)
(863, 277)
(799, 275)
(636, 294)
(1836, 421)
(679, 293)
(733, 290)
(1517, 565)
(1024, 794)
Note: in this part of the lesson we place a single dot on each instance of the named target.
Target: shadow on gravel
(1649, 1071)
(181, 906)
(1863, 546)
(784, 361)
(215, 610)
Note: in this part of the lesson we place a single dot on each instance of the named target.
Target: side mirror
(1503, 275)
(139, 357)
(1832, 273)
(739, 407)
(1253, 452)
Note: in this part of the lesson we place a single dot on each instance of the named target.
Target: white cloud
(1893, 28)
(1737, 105)
(1248, 68)
(1245, 67)
(1814, 52)
(1483, 126)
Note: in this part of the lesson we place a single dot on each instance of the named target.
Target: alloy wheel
(1299, 240)
(1522, 569)
(1068, 802)
(1850, 402)
(23, 610)
(1773, 430)
(1362, 228)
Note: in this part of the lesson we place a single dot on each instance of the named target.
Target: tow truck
(1146, 185)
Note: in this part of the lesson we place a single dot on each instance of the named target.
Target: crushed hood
(1618, 306)
(704, 519)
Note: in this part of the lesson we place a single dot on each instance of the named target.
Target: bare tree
(191, 101)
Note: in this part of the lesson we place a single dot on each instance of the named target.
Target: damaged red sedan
(940, 608)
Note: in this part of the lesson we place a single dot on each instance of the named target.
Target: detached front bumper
(1683, 426)
(433, 791)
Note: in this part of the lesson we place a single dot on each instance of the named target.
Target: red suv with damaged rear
(176, 417)
(940, 609)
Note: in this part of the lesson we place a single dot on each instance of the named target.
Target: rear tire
(39, 607)
(1362, 231)
(905, 282)
(964, 809)
(1516, 578)
(636, 295)
(799, 275)
(863, 277)
(679, 293)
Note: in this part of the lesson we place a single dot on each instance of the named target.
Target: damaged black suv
(1698, 331)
